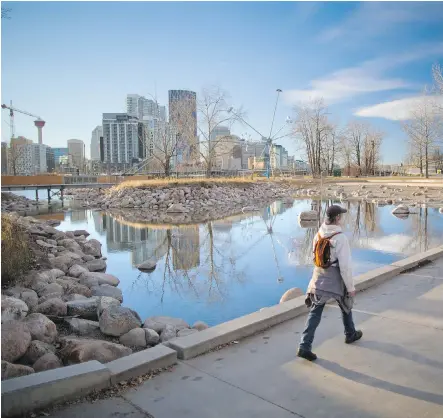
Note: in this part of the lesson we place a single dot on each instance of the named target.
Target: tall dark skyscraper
(183, 115)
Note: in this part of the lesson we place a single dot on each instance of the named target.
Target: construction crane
(39, 122)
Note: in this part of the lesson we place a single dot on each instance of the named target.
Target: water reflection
(226, 268)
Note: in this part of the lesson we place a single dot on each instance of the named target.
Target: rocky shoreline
(68, 310)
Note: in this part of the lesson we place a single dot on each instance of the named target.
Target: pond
(227, 268)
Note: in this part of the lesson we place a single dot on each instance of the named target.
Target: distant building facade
(4, 158)
(76, 148)
(143, 108)
(97, 133)
(50, 160)
(59, 152)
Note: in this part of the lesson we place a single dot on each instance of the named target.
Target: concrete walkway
(395, 371)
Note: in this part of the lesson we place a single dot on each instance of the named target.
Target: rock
(101, 278)
(15, 340)
(83, 326)
(134, 338)
(292, 293)
(13, 309)
(55, 307)
(30, 297)
(41, 328)
(47, 362)
(49, 296)
(147, 266)
(76, 351)
(185, 332)
(168, 333)
(152, 337)
(44, 244)
(88, 257)
(159, 323)
(77, 271)
(441, 210)
(309, 215)
(10, 370)
(86, 308)
(200, 326)
(36, 350)
(79, 289)
(92, 247)
(79, 232)
(107, 290)
(51, 288)
(96, 265)
(62, 262)
(74, 296)
(389, 201)
(117, 320)
(105, 302)
(176, 208)
(400, 210)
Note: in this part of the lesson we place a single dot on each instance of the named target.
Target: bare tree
(213, 113)
(15, 155)
(437, 72)
(330, 149)
(311, 127)
(423, 129)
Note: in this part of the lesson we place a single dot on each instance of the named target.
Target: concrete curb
(24, 394)
(199, 343)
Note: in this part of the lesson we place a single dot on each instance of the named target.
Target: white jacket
(340, 251)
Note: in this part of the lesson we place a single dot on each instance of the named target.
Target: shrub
(16, 253)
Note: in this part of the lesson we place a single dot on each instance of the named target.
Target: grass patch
(16, 254)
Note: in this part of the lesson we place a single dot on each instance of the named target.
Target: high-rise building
(219, 131)
(95, 143)
(50, 160)
(4, 158)
(143, 108)
(40, 161)
(58, 153)
(123, 138)
(76, 148)
(183, 115)
(27, 158)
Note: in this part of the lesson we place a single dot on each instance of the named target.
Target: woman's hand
(352, 294)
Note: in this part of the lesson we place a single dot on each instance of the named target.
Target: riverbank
(67, 310)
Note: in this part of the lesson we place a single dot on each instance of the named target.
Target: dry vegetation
(16, 254)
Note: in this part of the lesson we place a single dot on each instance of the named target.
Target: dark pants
(313, 321)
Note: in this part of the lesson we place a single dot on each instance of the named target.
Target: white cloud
(368, 77)
(371, 19)
(396, 109)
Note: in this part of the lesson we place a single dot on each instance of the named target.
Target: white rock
(200, 325)
(13, 309)
(292, 293)
(309, 215)
(400, 210)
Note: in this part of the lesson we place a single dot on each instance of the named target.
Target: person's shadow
(378, 383)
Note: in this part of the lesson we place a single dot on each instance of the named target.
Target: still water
(223, 269)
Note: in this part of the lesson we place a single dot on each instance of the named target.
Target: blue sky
(69, 62)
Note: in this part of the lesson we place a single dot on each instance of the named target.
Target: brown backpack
(322, 251)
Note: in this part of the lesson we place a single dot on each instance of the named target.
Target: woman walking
(332, 279)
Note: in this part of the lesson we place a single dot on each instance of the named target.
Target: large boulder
(100, 278)
(79, 232)
(28, 296)
(176, 208)
(83, 326)
(48, 361)
(107, 290)
(200, 326)
(185, 332)
(309, 215)
(117, 320)
(86, 308)
(13, 309)
(53, 307)
(168, 333)
(134, 338)
(292, 293)
(51, 288)
(41, 328)
(62, 262)
(400, 210)
(92, 247)
(96, 265)
(36, 350)
(73, 296)
(152, 337)
(15, 340)
(159, 323)
(147, 266)
(70, 244)
(77, 270)
(10, 370)
(105, 302)
(76, 351)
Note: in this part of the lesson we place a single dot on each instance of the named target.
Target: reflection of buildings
(144, 243)
(78, 215)
(186, 247)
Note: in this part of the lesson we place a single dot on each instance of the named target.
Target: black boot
(307, 355)
(354, 337)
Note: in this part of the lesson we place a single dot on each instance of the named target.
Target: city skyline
(368, 61)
